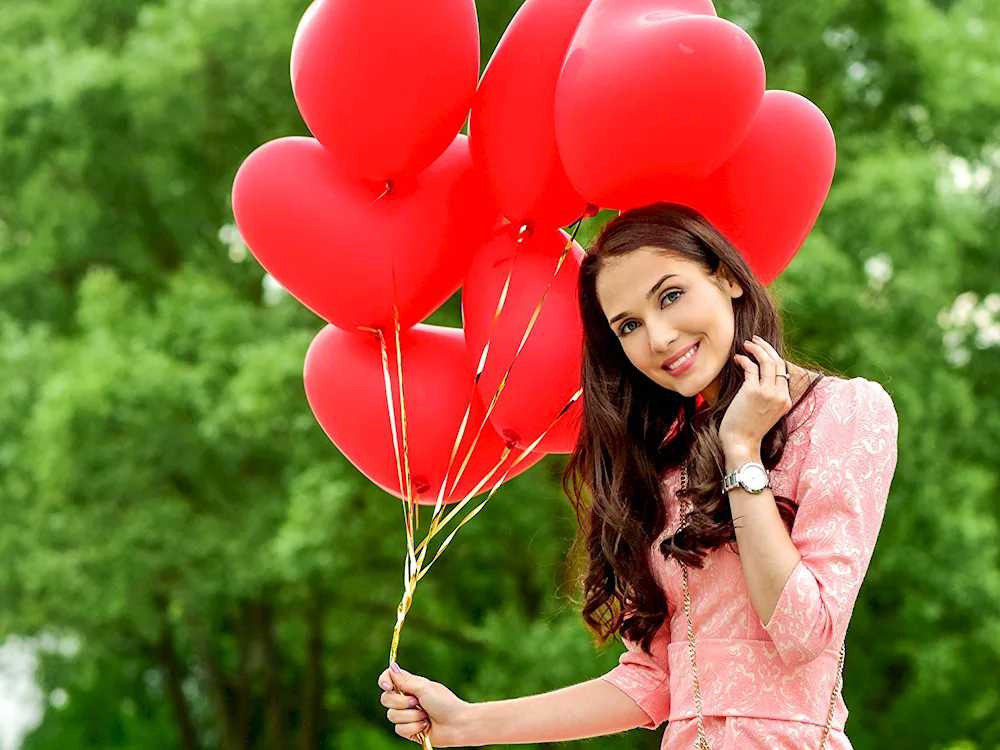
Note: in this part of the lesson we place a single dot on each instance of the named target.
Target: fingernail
(395, 668)
(757, 338)
(386, 686)
(413, 701)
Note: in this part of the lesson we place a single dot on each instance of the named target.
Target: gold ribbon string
(411, 568)
(410, 572)
(523, 234)
(495, 487)
(395, 440)
(435, 525)
(414, 570)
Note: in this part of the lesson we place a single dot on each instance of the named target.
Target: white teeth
(683, 359)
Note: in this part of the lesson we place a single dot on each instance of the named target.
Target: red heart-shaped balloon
(769, 193)
(386, 85)
(512, 130)
(345, 386)
(647, 91)
(546, 373)
(334, 241)
(766, 197)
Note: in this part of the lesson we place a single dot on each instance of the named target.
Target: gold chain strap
(702, 742)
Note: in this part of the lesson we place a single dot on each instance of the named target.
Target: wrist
(738, 454)
(472, 726)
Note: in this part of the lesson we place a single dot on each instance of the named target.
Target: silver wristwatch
(751, 476)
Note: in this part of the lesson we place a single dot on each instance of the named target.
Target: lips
(666, 365)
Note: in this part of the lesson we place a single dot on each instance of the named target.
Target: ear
(729, 283)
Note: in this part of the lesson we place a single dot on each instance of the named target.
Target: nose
(661, 336)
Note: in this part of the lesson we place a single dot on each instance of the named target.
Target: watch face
(753, 478)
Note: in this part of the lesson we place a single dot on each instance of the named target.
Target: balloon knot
(510, 438)
(374, 332)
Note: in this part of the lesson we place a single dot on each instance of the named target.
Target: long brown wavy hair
(634, 430)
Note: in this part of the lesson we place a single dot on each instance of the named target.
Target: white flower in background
(66, 645)
(953, 339)
(22, 703)
(229, 235)
(970, 321)
(858, 71)
(879, 271)
(982, 318)
(963, 176)
(840, 38)
(959, 357)
(989, 336)
(982, 176)
(273, 291)
(961, 309)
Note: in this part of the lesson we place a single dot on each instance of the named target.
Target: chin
(693, 388)
(688, 388)
(689, 392)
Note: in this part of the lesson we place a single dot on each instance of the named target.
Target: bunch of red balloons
(388, 210)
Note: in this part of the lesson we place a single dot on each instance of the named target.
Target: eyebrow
(649, 294)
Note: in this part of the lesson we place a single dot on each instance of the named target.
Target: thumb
(408, 683)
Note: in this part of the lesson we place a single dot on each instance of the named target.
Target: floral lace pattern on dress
(768, 685)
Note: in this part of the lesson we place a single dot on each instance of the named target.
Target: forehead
(623, 282)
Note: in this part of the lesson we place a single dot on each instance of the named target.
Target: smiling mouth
(683, 359)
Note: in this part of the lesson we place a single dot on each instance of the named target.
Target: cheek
(727, 331)
(720, 324)
(636, 351)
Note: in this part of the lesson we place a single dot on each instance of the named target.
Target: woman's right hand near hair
(420, 701)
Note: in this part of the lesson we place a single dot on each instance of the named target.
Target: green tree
(167, 498)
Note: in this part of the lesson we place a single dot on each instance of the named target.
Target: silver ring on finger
(785, 375)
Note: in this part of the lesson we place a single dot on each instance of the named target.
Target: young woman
(729, 502)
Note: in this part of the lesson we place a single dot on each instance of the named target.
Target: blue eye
(668, 298)
(677, 292)
(624, 330)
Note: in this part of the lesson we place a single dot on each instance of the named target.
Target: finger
(750, 371)
(409, 716)
(411, 730)
(384, 682)
(783, 384)
(408, 683)
(768, 367)
(782, 366)
(398, 700)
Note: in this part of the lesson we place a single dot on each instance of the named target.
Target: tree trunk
(173, 673)
(313, 684)
(220, 691)
(275, 724)
(242, 693)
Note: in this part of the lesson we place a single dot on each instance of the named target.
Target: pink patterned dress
(769, 686)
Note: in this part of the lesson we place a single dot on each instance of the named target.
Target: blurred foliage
(167, 497)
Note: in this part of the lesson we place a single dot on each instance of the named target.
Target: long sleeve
(644, 678)
(842, 491)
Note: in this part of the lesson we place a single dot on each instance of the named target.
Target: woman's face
(674, 321)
